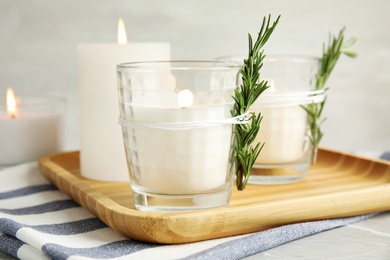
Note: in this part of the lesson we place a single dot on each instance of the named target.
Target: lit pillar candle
(29, 129)
(102, 155)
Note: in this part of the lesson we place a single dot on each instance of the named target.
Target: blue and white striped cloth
(37, 221)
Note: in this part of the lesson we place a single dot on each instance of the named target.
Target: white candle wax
(180, 161)
(101, 145)
(28, 137)
(283, 130)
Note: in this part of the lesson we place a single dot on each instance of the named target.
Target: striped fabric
(37, 221)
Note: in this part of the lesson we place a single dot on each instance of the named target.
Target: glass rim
(159, 65)
(272, 57)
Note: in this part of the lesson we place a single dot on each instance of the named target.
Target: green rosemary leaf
(249, 90)
(351, 54)
(330, 56)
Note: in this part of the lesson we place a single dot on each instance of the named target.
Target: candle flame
(122, 37)
(185, 98)
(11, 103)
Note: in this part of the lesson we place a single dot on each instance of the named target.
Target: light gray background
(38, 42)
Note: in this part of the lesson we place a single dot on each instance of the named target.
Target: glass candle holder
(31, 129)
(177, 132)
(286, 155)
(284, 130)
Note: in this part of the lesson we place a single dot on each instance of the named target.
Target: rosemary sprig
(247, 93)
(330, 56)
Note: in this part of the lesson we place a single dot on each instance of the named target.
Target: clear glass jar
(284, 130)
(177, 149)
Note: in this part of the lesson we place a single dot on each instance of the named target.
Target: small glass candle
(284, 129)
(176, 133)
(29, 127)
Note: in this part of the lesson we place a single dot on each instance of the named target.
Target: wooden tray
(339, 185)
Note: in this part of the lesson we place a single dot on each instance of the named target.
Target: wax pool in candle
(101, 145)
(32, 132)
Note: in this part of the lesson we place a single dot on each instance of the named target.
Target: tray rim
(137, 224)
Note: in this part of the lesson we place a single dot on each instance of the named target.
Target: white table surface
(368, 239)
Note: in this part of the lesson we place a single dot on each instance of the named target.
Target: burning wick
(11, 103)
(185, 98)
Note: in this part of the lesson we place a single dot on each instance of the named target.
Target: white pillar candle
(26, 135)
(101, 145)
